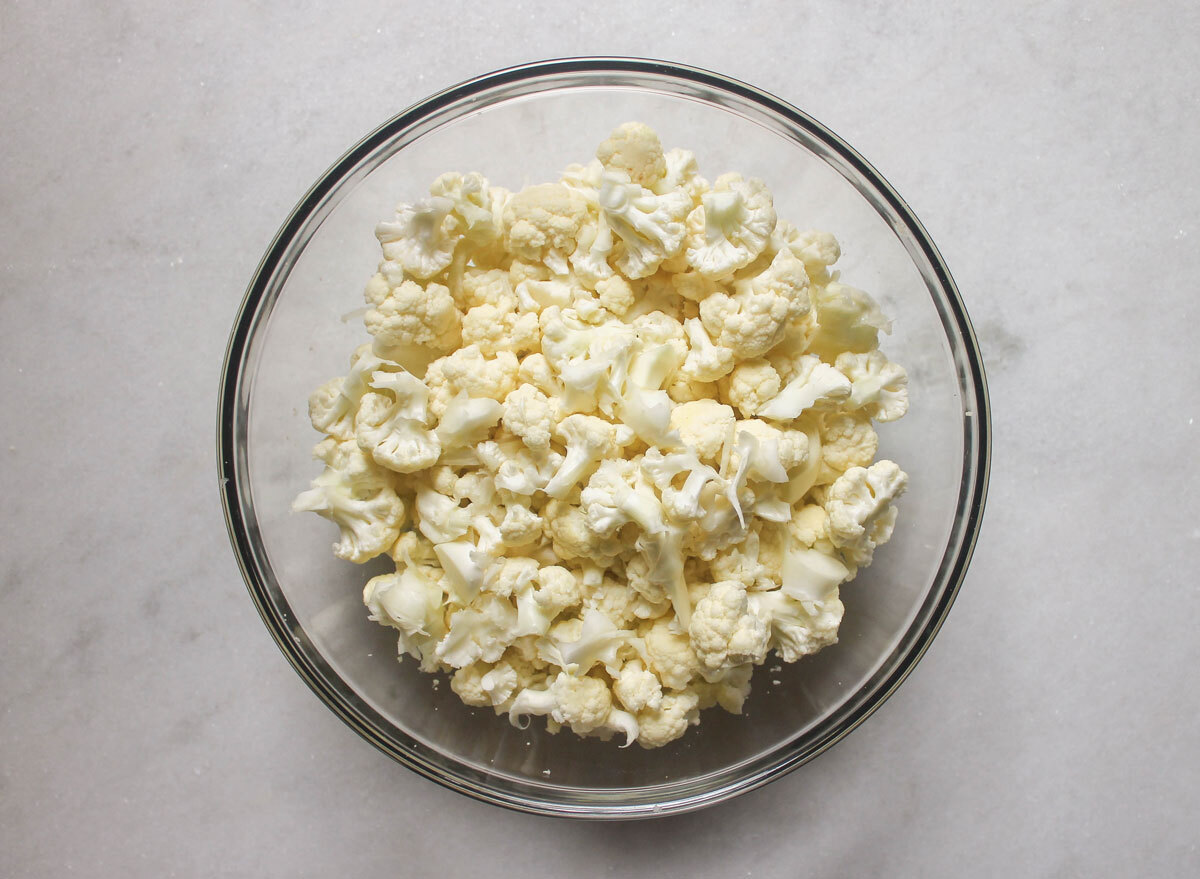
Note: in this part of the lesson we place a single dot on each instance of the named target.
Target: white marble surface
(149, 726)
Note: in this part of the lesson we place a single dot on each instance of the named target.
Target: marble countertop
(150, 727)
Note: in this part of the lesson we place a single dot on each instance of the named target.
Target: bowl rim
(293, 642)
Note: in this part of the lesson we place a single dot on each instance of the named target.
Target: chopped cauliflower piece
(731, 227)
(412, 316)
(635, 150)
(615, 432)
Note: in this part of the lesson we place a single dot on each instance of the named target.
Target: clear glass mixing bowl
(521, 126)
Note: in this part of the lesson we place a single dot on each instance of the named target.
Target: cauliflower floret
(421, 238)
(542, 224)
(593, 248)
(861, 510)
(394, 441)
(467, 682)
(356, 495)
(409, 601)
(615, 294)
(681, 502)
(637, 688)
(730, 690)
(535, 370)
(493, 329)
(578, 644)
(332, 406)
(683, 390)
(705, 362)
(725, 631)
(505, 679)
(467, 420)
(680, 171)
(571, 536)
(481, 631)
(634, 149)
(776, 451)
(617, 602)
(521, 526)
(659, 726)
(529, 414)
(479, 286)
(878, 386)
(704, 427)
(412, 316)
(752, 320)
(582, 703)
(731, 227)
(847, 440)
(638, 576)
(439, 517)
(650, 226)
(817, 250)
(721, 525)
(618, 494)
(741, 563)
(799, 628)
(589, 439)
(847, 319)
(670, 654)
(751, 384)
(476, 205)
(518, 470)
(812, 574)
(657, 328)
(512, 575)
(468, 370)
(813, 385)
(557, 589)
(809, 526)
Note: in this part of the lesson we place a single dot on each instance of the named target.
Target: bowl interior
(298, 334)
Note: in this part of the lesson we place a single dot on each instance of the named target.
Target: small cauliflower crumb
(616, 433)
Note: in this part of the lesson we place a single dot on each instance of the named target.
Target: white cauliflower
(876, 384)
(616, 434)
(529, 414)
(412, 316)
(663, 725)
(333, 406)
(752, 320)
(861, 510)
(421, 237)
(671, 655)
(732, 226)
(725, 631)
(704, 426)
(799, 628)
(814, 384)
(634, 149)
(751, 384)
(706, 362)
(637, 688)
(467, 370)
(847, 319)
(356, 495)
(588, 439)
(542, 224)
(847, 440)
(650, 227)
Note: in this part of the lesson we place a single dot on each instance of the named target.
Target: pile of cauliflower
(615, 433)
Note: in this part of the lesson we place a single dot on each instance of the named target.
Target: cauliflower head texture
(612, 437)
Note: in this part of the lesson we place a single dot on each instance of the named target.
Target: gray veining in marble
(149, 726)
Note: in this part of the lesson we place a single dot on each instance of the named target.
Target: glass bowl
(522, 126)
